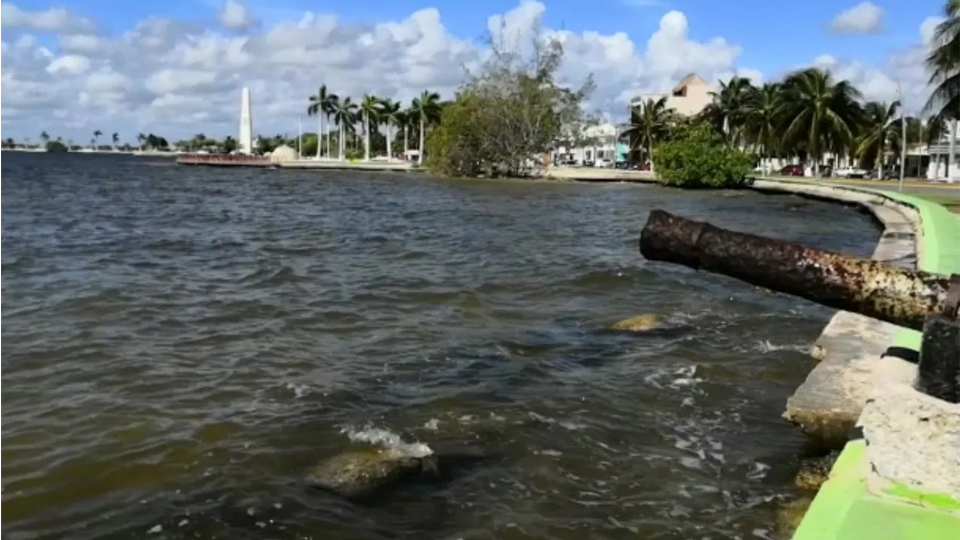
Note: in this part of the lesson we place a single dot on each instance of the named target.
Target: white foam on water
(433, 424)
(760, 470)
(299, 390)
(388, 440)
(766, 346)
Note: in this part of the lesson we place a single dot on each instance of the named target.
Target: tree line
(810, 113)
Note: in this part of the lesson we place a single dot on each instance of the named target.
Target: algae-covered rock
(361, 475)
(638, 323)
(357, 474)
(815, 471)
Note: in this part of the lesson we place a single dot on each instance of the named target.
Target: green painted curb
(843, 508)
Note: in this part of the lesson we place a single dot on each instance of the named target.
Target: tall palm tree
(427, 109)
(44, 136)
(344, 114)
(404, 121)
(141, 138)
(96, 137)
(822, 113)
(649, 124)
(729, 107)
(944, 64)
(390, 115)
(116, 139)
(321, 105)
(879, 121)
(370, 111)
(761, 119)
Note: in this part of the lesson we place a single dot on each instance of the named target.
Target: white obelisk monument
(246, 123)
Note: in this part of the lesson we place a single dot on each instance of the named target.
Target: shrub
(56, 146)
(699, 158)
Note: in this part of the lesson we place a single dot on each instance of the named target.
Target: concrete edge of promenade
(900, 476)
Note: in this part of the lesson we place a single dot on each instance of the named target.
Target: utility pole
(903, 137)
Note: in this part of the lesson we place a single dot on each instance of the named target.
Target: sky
(175, 68)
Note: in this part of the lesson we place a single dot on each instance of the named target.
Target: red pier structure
(225, 160)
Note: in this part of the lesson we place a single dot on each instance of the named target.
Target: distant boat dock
(267, 162)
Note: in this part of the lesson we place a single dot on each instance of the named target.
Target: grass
(950, 202)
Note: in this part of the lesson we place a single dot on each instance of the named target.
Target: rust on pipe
(887, 293)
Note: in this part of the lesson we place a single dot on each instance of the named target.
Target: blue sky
(131, 78)
(774, 34)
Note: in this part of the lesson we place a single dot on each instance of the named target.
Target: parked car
(792, 170)
(851, 172)
(603, 163)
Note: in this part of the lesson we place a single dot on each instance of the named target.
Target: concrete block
(912, 441)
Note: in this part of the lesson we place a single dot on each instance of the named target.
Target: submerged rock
(361, 475)
(638, 323)
(815, 471)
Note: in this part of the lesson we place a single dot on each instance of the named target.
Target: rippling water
(180, 344)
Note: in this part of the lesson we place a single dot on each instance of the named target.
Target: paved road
(910, 186)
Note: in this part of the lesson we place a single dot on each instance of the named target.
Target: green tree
(823, 114)
(505, 115)
(878, 125)
(56, 147)
(229, 144)
(700, 158)
(728, 111)
(761, 119)
(370, 113)
(322, 105)
(344, 114)
(116, 139)
(391, 117)
(649, 125)
(96, 137)
(943, 63)
(45, 137)
(426, 108)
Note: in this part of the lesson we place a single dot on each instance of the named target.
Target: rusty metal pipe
(898, 296)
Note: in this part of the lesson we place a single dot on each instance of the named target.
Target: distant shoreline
(140, 153)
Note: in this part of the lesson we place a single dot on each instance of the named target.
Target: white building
(943, 161)
(603, 146)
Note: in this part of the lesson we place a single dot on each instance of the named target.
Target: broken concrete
(912, 441)
(827, 405)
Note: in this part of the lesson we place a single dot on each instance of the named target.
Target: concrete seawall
(899, 478)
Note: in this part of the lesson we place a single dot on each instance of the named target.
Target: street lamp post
(903, 138)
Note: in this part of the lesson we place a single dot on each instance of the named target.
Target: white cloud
(51, 20)
(863, 18)
(176, 77)
(70, 64)
(903, 72)
(235, 16)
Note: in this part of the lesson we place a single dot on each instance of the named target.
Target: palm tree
(141, 138)
(322, 106)
(96, 137)
(944, 64)
(370, 109)
(427, 109)
(116, 139)
(344, 114)
(728, 107)
(649, 124)
(404, 121)
(761, 120)
(821, 113)
(44, 136)
(391, 116)
(878, 123)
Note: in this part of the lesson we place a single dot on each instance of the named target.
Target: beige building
(688, 98)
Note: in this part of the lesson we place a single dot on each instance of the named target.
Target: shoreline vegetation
(509, 116)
